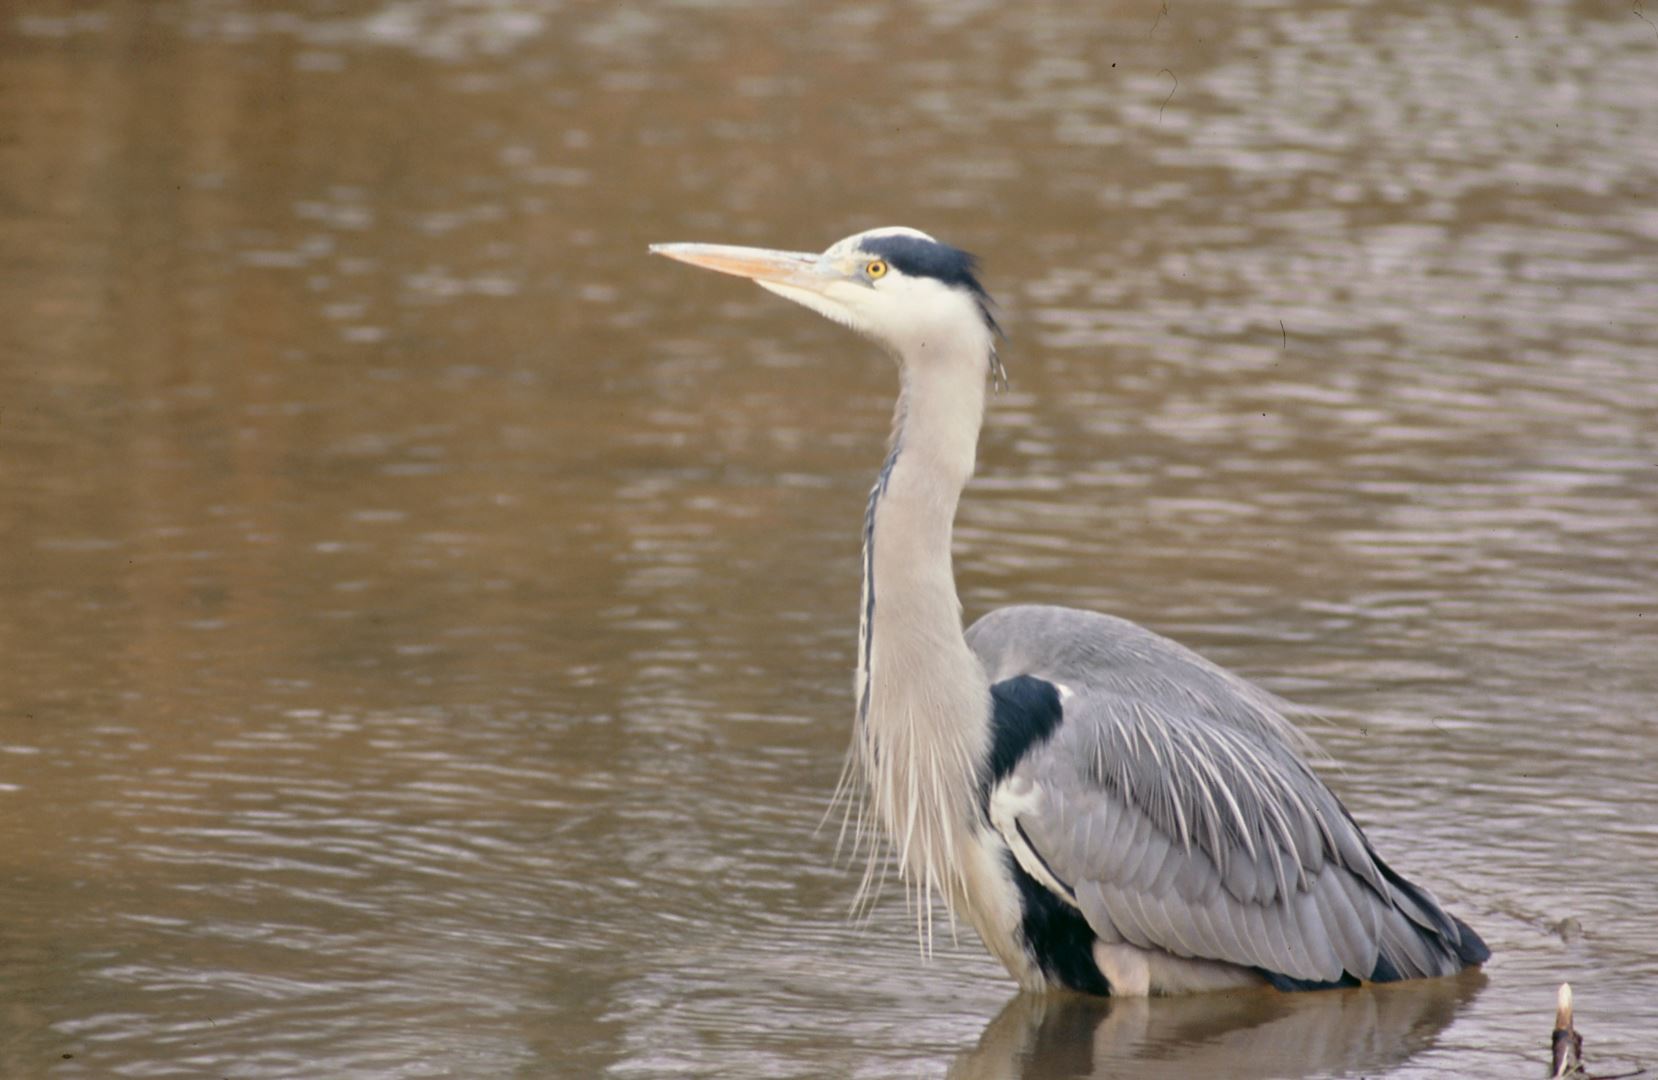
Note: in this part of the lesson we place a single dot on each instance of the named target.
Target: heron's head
(918, 297)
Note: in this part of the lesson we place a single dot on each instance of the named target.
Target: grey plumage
(1177, 804)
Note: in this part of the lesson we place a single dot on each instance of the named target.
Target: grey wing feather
(1176, 802)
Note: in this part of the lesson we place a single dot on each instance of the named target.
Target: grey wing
(1173, 807)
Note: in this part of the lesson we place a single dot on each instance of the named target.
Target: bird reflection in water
(1235, 1035)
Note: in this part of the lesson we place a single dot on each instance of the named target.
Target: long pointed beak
(798, 268)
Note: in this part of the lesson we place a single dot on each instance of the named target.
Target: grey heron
(1111, 812)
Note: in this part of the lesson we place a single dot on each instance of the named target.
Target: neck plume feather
(923, 698)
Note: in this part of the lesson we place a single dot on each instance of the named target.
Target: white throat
(923, 698)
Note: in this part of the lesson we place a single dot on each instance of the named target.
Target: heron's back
(1172, 802)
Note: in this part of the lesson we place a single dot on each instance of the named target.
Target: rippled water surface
(427, 620)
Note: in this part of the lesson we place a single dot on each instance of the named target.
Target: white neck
(923, 698)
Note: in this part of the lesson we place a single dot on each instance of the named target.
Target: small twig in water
(1172, 89)
(1284, 332)
(1162, 14)
(1567, 1045)
(1639, 14)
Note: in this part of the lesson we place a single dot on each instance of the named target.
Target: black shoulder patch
(1026, 712)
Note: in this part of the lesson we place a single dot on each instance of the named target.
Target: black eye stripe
(918, 257)
(927, 258)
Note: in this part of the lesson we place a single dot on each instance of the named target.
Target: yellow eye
(876, 269)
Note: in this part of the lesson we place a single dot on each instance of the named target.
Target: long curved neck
(923, 699)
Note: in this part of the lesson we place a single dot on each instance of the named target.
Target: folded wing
(1173, 806)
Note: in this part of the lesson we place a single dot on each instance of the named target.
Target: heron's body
(1111, 812)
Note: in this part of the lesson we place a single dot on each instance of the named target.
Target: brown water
(427, 620)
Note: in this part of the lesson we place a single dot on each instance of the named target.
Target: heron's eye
(876, 269)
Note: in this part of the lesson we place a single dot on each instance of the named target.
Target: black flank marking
(1070, 894)
(1026, 713)
(1058, 936)
(1290, 985)
(1385, 971)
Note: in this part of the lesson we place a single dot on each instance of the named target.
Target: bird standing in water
(1111, 812)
